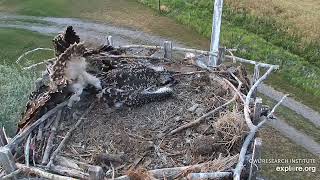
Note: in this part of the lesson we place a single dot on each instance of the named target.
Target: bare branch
(250, 136)
(37, 64)
(27, 150)
(41, 173)
(22, 135)
(31, 51)
(277, 105)
(61, 145)
(49, 146)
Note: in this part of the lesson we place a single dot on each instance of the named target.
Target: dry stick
(22, 135)
(41, 173)
(168, 172)
(197, 176)
(278, 104)
(69, 172)
(49, 146)
(250, 62)
(27, 150)
(197, 121)
(37, 64)
(40, 132)
(11, 175)
(244, 148)
(234, 88)
(59, 148)
(31, 51)
(247, 102)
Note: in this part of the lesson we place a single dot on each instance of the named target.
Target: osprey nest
(126, 113)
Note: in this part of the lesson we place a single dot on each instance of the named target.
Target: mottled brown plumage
(63, 40)
(58, 81)
(135, 84)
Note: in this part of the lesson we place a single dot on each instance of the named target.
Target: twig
(69, 172)
(250, 136)
(37, 64)
(199, 176)
(247, 102)
(31, 51)
(54, 154)
(40, 132)
(234, 88)
(198, 121)
(276, 106)
(20, 137)
(11, 175)
(51, 139)
(113, 171)
(42, 173)
(251, 62)
(27, 150)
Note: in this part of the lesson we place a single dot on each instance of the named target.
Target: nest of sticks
(200, 128)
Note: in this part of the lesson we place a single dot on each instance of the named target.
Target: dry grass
(232, 129)
(301, 15)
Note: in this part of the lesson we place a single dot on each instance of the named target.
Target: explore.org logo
(283, 161)
(289, 165)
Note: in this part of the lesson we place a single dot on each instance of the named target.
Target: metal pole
(215, 37)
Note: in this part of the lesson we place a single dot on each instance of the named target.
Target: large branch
(49, 145)
(68, 135)
(244, 148)
(247, 102)
(22, 135)
(41, 173)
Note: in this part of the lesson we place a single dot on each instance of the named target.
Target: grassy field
(255, 38)
(16, 84)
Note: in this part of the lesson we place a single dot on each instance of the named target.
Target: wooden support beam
(7, 161)
(167, 49)
(96, 173)
(221, 55)
(256, 155)
(257, 110)
(256, 76)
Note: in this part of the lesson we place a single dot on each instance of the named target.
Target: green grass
(275, 146)
(294, 119)
(16, 84)
(14, 42)
(255, 38)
